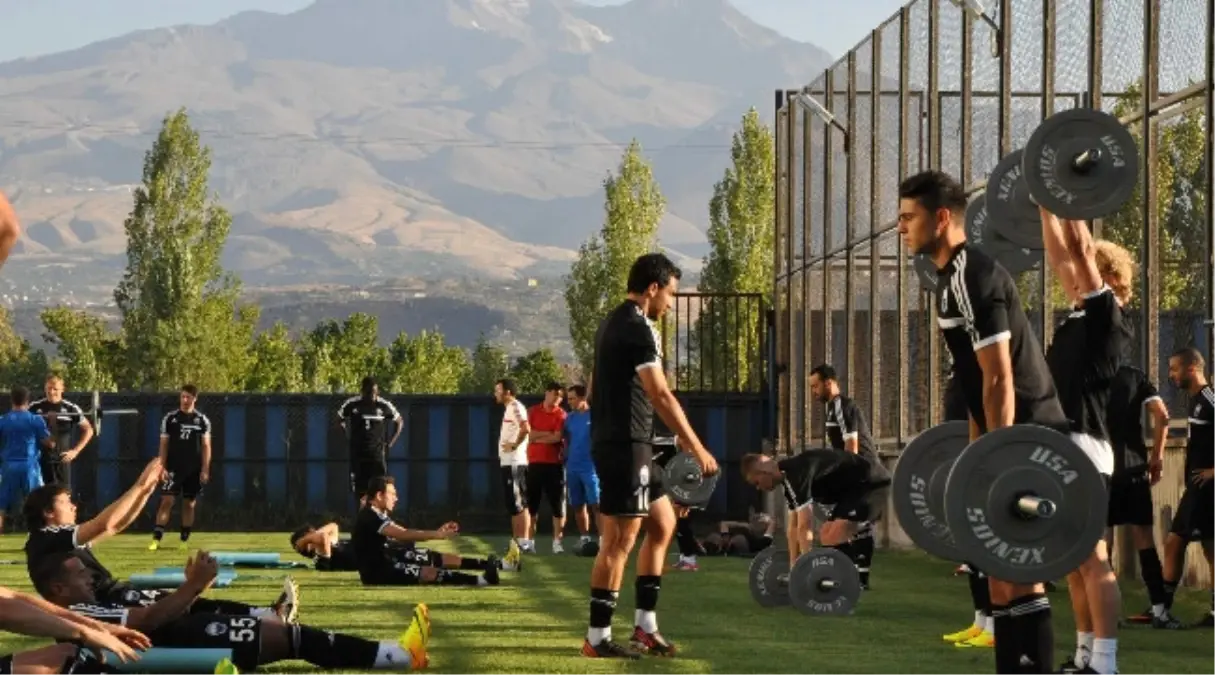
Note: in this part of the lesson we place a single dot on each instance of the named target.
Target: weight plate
(1054, 181)
(926, 272)
(685, 483)
(919, 486)
(764, 576)
(993, 473)
(1013, 258)
(810, 595)
(1010, 210)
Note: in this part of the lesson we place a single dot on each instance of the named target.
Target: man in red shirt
(545, 456)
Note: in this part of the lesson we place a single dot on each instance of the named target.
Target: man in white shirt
(512, 454)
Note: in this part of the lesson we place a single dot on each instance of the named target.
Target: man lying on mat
(327, 549)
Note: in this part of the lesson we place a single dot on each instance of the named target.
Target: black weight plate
(1054, 182)
(767, 578)
(925, 272)
(1008, 463)
(810, 595)
(685, 483)
(919, 486)
(1011, 257)
(1010, 210)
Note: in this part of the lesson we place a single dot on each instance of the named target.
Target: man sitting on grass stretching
(331, 553)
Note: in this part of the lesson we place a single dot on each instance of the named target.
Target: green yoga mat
(170, 660)
(175, 579)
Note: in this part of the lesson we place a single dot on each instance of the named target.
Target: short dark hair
(652, 268)
(38, 502)
(299, 534)
(554, 386)
(1190, 356)
(934, 190)
(824, 372)
(579, 390)
(367, 386)
(50, 571)
(378, 484)
(749, 462)
(19, 396)
(508, 385)
(190, 389)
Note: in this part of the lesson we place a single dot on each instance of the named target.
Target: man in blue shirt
(582, 483)
(21, 434)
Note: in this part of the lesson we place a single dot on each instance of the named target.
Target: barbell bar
(95, 413)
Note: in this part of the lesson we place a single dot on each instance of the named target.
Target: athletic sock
(603, 605)
(1105, 656)
(1033, 634)
(185, 533)
(980, 619)
(1170, 589)
(863, 556)
(474, 564)
(1008, 653)
(647, 588)
(450, 578)
(989, 625)
(329, 650)
(1084, 649)
(158, 533)
(980, 594)
(646, 620)
(1153, 575)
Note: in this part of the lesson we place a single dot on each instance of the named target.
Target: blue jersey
(21, 431)
(578, 433)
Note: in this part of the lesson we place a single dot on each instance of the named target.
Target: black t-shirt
(978, 306)
(68, 417)
(626, 344)
(366, 425)
(369, 542)
(341, 558)
(827, 477)
(1130, 391)
(185, 431)
(846, 420)
(1200, 450)
(52, 539)
(1083, 358)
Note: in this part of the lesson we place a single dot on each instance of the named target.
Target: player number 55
(241, 629)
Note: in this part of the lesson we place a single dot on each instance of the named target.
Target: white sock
(691, 559)
(646, 621)
(1158, 611)
(980, 619)
(1084, 648)
(481, 581)
(1105, 655)
(598, 635)
(391, 656)
(586, 537)
(989, 624)
(261, 611)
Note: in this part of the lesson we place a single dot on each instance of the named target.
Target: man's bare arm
(18, 616)
(1054, 242)
(852, 445)
(654, 381)
(394, 531)
(399, 426)
(999, 398)
(1159, 414)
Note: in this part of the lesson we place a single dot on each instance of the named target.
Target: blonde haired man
(62, 417)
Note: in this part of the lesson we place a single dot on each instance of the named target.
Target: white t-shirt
(512, 419)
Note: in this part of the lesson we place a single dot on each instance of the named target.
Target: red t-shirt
(545, 420)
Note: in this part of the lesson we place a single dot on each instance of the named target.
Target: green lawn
(534, 622)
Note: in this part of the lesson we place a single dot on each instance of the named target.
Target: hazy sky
(34, 27)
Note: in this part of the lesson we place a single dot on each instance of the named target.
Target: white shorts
(1099, 451)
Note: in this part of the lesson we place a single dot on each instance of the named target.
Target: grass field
(534, 622)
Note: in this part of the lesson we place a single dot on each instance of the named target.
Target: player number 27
(241, 629)
(185, 434)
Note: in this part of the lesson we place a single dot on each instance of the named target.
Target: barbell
(822, 582)
(95, 413)
(1023, 503)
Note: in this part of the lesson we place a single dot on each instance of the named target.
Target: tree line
(182, 316)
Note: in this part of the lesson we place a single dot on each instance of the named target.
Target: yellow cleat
(154, 546)
(513, 560)
(963, 635)
(226, 667)
(983, 639)
(417, 636)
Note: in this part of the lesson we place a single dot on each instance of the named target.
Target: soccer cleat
(226, 667)
(416, 637)
(513, 560)
(154, 546)
(1144, 617)
(492, 577)
(1167, 621)
(608, 650)
(650, 643)
(983, 639)
(963, 635)
(558, 549)
(686, 565)
(1069, 666)
(288, 605)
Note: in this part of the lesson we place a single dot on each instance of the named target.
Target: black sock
(603, 605)
(647, 592)
(1153, 575)
(185, 533)
(474, 564)
(1170, 589)
(980, 594)
(158, 533)
(212, 606)
(1033, 632)
(863, 557)
(1008, 657)
(450, 578)
(686, 538)
(326, 649)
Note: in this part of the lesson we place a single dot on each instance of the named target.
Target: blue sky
(34, 27)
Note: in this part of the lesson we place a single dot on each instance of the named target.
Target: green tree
(633, 206)
(277, 366)
(180, 319)
(425, 364)
(741, 217)
(532, 372)
(90, 354)
(337, 356)
(19, 364)
(487, 366)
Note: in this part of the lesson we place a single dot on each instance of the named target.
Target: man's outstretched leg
(659, 528)
(60, 658)
(618, 535)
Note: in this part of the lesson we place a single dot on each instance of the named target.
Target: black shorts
(546, 480)
(393, 573)
(514, 488)
(1130, 500)
(186, 483)
(629, 480)
(6, 664)
(1195, 516)
(241, 634)
(55, 472)
(864, 506)
(413, 555)
(363, 471)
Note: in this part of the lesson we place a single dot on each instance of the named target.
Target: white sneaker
(557, 547)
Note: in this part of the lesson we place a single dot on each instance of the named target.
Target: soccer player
(51, 517)
(185, 450)
(325, 546)
(381, 565)
(1001, 369)
(545, 452)
(583, 484)
(64, 417)
(735, 538)
(512, 455)
(66, 581)
(365, 420)
(21, 434)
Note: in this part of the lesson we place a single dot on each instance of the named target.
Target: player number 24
(242, 629)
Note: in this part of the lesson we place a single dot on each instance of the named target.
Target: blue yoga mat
(170, 660)
(158, 581)
(229, 558)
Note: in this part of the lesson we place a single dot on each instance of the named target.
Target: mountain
(384, 138)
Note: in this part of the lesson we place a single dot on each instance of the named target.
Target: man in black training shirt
(63, 417)
(65, 580)
(365, 420)
(628, 386)
(1195, 517)
(1001, 368)
(847, 431)
(185, 449)
(380, 563)
(1135, 472)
